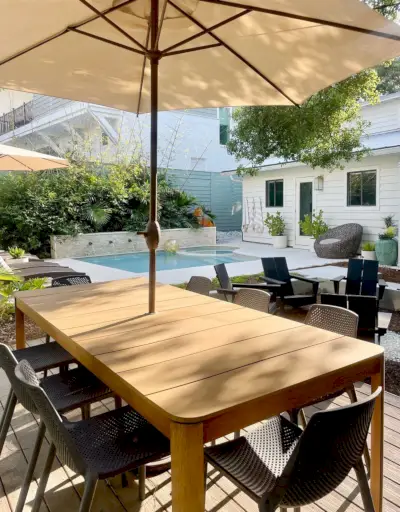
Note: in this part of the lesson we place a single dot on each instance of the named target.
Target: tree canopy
(326, 130)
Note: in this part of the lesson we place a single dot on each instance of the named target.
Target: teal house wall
(218, 193)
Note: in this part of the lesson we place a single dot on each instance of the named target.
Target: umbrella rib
(110, 22)
(62, 33)
(104, 40)
(188, 50)
(21, 163)
(234, 52)
(205, 31)
(310, 19)
(143, 70)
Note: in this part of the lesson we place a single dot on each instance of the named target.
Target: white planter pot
(279, 242)
(368, 255)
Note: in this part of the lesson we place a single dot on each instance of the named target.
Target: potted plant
(386, 246)
(314, 225)
(368, 251)
(17, 253)
(276, 227)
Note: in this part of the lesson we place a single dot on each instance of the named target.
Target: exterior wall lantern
(319, 183)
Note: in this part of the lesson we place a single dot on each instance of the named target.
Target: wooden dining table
(201, 368)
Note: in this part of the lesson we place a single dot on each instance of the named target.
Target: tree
(325, 131)
(389, 74)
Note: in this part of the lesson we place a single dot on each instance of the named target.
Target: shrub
(275, 224)
(34, 206)
(15, 284)
(368, 246)
(388, 234)
(16, 252)
(314, 225)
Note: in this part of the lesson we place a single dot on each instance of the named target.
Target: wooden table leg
(187, 467)
(377, 440)
(19, 328)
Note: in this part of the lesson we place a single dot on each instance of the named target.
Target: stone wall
(123, 242)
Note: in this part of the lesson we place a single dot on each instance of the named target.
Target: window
(361, 188)
(224, 125)
(274, 193)
(104, 139)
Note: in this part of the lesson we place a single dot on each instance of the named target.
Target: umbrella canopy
(17, 159)
(149, 55)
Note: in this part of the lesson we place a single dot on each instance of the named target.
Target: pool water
(194, 257)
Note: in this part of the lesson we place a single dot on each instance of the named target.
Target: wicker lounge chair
(39, 270)
(199, 284)
(280, 465)
(340, 242)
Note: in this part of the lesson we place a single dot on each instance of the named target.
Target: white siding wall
(383, 117)
(332, 200)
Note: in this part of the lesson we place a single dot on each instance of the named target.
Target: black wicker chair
(229, 289)
(70, 390)
(277, 273)
(97, 448)
(280, 465)
(362, 279)
(340, 242)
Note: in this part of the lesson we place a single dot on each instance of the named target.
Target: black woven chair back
(8, 362)
(223, 276)
(58, 430)
(362, 277)
(332, 443)
(276, 268)
(71, 280)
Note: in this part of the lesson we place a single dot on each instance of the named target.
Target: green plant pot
(386, 252)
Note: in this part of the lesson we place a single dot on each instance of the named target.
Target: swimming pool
(193, 257)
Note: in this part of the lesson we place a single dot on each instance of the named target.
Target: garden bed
(7, 331)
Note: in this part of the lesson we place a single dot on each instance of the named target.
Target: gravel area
(391, 343)
(7, 332)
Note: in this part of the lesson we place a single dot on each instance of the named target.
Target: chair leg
(351, 391)
(142, 483)
(117, 402)
(31, 469)
(47, 338)
(44, 478)
(7, 417)
(364, 487)
(236, 434)
(294, 416)
(303, 418)
(85, 411)
(88, 493)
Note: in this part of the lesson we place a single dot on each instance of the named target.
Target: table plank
(215, 394)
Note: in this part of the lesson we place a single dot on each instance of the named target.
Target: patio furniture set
(172, 410)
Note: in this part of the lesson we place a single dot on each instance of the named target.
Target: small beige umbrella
(150, 55)
(17, 159)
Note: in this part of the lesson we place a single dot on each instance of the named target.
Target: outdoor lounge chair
(340, 242)
(277, 274)
(98, 448)
(75, 389)
(362, 279)
(229, 289)
(280, 465)
(41, 270)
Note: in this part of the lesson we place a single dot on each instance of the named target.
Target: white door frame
(301, 240)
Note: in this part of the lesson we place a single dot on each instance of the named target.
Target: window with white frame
(361, 188)
(224, 125)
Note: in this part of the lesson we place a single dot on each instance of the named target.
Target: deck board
(65, 487)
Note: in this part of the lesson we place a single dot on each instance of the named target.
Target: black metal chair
(362, 279)
(97, 448)
(229, 289)
(75, 389)
(280, 465)
(277, 273)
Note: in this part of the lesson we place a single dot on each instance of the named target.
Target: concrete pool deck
(296, 258)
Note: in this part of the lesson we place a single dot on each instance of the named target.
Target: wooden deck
(64, 488)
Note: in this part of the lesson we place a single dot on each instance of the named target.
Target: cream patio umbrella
(17, 159)
(150, 55)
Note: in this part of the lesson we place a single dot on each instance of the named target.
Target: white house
(188, 140)
(295, 189)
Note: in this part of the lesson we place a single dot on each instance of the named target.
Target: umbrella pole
(153, 228)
